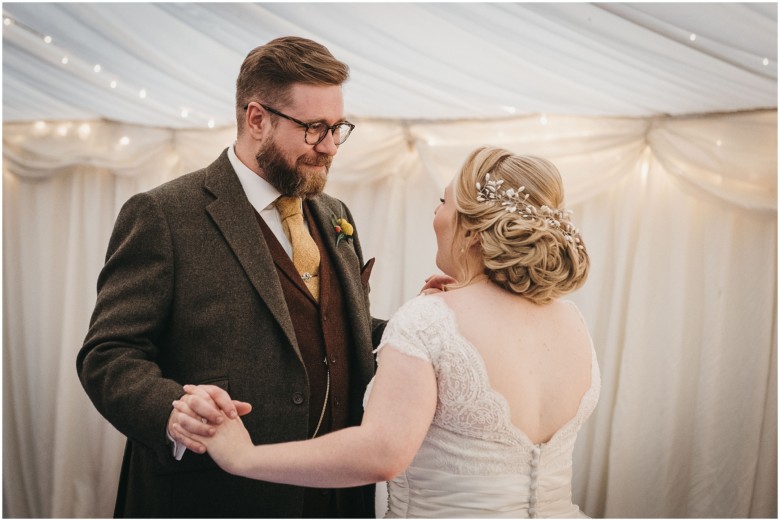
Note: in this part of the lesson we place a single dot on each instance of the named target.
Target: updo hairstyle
(536, 256)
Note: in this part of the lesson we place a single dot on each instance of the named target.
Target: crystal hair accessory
(516, 201)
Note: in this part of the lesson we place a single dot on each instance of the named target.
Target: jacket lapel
(347, 264)
(234, 216)
(344, 257)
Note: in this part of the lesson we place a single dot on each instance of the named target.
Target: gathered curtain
(679, 215)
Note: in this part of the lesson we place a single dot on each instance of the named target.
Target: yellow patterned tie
(306, 255)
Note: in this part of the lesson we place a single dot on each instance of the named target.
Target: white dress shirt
(262, 196)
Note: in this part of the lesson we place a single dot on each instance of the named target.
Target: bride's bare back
(537, 357)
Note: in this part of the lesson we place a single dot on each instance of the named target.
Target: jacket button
(297, 398)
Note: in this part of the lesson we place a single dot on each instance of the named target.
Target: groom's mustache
(319, 160)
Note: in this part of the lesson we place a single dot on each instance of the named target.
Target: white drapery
(426, 60)
(679, 215)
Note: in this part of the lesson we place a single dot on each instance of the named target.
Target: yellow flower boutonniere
(343, 228)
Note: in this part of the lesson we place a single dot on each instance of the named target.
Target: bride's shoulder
(423, 305)
(418, 327)
(422, 313)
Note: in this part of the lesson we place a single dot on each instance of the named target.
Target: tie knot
(288, 206)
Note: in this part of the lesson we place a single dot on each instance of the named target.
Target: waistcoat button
(297, 398)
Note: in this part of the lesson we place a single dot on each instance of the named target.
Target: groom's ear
(255, 119)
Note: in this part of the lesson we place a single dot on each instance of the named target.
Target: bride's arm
(397, 417)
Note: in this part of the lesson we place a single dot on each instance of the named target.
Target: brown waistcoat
(321, 330)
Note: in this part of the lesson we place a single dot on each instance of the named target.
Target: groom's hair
(270, 70)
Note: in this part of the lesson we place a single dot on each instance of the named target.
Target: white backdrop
(679, 212)
(679, 215)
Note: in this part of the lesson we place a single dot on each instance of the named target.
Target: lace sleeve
(415, 329)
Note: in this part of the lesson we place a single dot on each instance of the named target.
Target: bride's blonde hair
(533, 251)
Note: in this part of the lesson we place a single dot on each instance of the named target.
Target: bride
(480, 389)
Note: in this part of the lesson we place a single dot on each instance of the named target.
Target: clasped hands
(198, 413)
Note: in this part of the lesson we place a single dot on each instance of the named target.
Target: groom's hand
(436, 283)
(198, 411)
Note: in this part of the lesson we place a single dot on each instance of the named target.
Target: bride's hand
(228, 446)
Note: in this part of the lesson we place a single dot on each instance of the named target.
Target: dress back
(474, 462)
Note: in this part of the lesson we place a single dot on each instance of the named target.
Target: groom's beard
(289, 179)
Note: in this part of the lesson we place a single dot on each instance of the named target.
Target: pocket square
(365, 271)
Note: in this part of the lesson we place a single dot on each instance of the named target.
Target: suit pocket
(219, 381)
(365, 271)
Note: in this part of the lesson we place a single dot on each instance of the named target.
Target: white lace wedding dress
(474, 462)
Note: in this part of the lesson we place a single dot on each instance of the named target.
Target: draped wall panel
(679, 215)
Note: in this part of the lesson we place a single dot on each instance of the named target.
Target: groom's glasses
(316, 132)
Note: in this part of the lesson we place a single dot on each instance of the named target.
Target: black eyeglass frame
(307, 126)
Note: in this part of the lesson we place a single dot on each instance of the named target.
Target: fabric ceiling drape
(428, 60)
(679, 215)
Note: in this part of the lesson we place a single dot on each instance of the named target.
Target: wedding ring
(204, 420)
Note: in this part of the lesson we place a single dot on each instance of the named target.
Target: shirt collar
(261, 193)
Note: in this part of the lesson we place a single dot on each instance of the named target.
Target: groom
(236, 276)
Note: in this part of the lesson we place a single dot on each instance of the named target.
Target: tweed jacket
(189, 294)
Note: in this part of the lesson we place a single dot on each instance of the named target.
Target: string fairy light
(75, 63)
(85, 129)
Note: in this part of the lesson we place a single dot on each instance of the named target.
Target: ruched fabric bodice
(473, 461)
